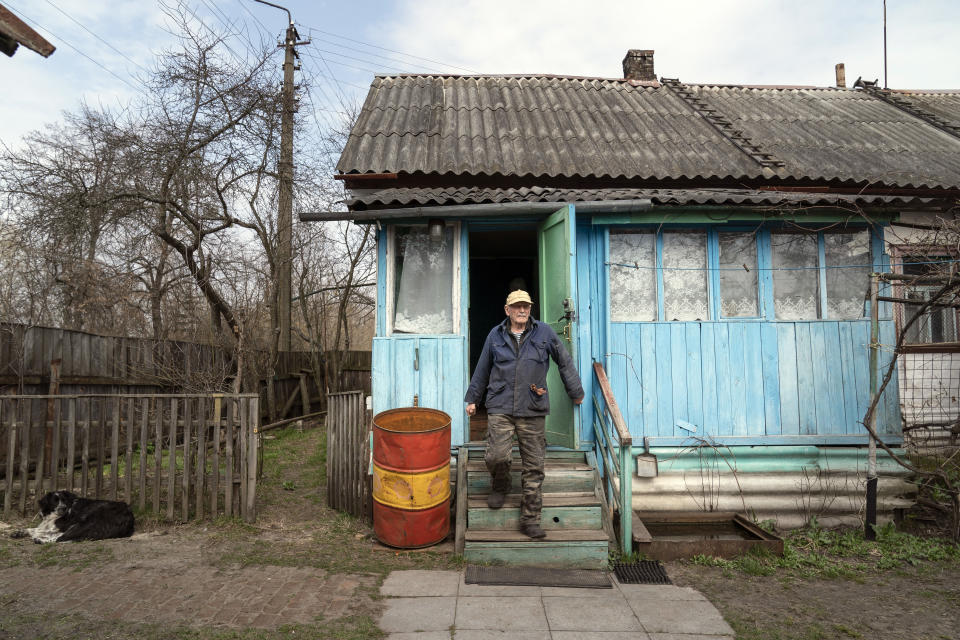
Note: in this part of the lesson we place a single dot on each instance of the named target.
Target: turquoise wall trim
(382, 282)
(770, 459)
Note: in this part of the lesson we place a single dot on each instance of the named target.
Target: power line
(64, 41)
(402, 53)
(82, 26)
(383, 57)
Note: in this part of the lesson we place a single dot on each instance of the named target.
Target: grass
(815, 552)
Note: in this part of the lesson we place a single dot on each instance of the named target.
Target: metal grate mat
(643, 572)
(538, 577)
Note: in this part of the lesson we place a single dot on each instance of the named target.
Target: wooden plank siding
(748, 379)
(432, 368)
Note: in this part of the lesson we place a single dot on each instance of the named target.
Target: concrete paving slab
(580, 592)
(488, 634)
(418, 614)
(429, 635)
(660, 592)
(679, 616)
(513, 613)
(415, 583)
(600, 635)
(580, 614)
(685, 636)
(494, 589)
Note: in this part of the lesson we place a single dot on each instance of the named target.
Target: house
(14, 32)
(709, 245)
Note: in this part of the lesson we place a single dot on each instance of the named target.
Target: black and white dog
(67, 517)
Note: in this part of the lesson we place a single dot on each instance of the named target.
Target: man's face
(518, 313)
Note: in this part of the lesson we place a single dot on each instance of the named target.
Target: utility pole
(285, 169)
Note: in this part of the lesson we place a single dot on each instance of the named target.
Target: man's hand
(472, 408)
(579, 400)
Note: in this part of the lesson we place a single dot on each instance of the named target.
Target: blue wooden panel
(382, 282)
(771, 378)
(818, 365)
(678, 375)
(452, 354)
(694, 366)
(382, 374)
(709, 377)
(787, 363)
(648, 375)
(848, 356)
(721, 349)
(633, 411)
(806, 373)
(404, 379)
(738, 388)
(753, 376)
(590, 267)
(834, 375)
(661, 356)
(861, 347)
(617, 364)
(431, 372)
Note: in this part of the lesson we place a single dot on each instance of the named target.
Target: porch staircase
(572, 515)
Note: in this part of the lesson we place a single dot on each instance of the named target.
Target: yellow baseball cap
(518, 296)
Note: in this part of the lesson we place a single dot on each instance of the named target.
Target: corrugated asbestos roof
(601, 128)
(388, 198)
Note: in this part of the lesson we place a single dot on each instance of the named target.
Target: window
(738, 275)
(423, 281)
(796, 292)
(633, 277)
(688, 275)
(937, 324)
(685, 276)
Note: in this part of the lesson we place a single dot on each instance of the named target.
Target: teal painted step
(560, 476)
(560, 455)
(568, 548)
(560, 511)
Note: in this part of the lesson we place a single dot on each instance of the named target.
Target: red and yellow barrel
(411, 477)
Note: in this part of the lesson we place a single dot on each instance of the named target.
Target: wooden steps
(571, 515)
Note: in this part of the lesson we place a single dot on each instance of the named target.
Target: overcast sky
(103, 46)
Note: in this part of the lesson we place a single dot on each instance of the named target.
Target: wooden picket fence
(182, 457)
(348, 453)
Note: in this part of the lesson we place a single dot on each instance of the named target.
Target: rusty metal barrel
(411, 477)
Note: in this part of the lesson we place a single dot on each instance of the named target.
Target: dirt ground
(301, 543)
(916, 603)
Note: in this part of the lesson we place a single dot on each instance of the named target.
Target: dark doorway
(497, 260)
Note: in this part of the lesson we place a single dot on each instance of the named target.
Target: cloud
(731, 41)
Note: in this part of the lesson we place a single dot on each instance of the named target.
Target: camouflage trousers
(533, 443)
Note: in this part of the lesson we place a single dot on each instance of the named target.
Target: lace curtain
(847, 287)
(685, 276)
(796, 290)
(633, 289)
(424, 282)
(738, 285)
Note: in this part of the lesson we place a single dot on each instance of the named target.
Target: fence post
(870, 523)
(253, 436)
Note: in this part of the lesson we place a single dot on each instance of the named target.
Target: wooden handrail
(626, 440)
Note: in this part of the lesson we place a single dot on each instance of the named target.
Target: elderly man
(512, 373)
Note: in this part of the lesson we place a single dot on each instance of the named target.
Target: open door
(557, 253)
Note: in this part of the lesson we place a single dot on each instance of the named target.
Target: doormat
(538, 577)
(643, 572)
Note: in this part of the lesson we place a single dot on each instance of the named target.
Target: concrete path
(439, 605)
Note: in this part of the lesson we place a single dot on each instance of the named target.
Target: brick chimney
(841, 75)
(638, 65)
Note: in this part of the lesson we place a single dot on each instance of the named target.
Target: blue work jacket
(505, 374)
